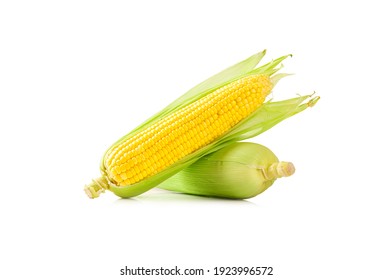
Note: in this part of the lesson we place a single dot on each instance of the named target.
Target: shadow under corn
(168, 198)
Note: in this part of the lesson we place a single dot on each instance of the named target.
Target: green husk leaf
(276, 78)
(270, 68)
(267, 116)
(234, 72)
(224, 77)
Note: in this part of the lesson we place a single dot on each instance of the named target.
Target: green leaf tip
(312, 102)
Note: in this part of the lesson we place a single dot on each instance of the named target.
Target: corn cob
(226, 107)
(240, 170)
(157, 147)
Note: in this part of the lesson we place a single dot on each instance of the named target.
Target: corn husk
(240, 170)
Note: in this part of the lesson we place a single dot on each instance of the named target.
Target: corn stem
(278, 170)
(96, 187)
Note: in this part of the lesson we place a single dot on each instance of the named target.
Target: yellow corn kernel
(184, 131)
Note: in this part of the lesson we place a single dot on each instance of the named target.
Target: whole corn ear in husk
(225, 108)
(240, 170)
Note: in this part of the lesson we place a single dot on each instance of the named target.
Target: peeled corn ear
(179, 134)
(239, 170)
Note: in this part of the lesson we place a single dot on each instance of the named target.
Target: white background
(77, 75)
